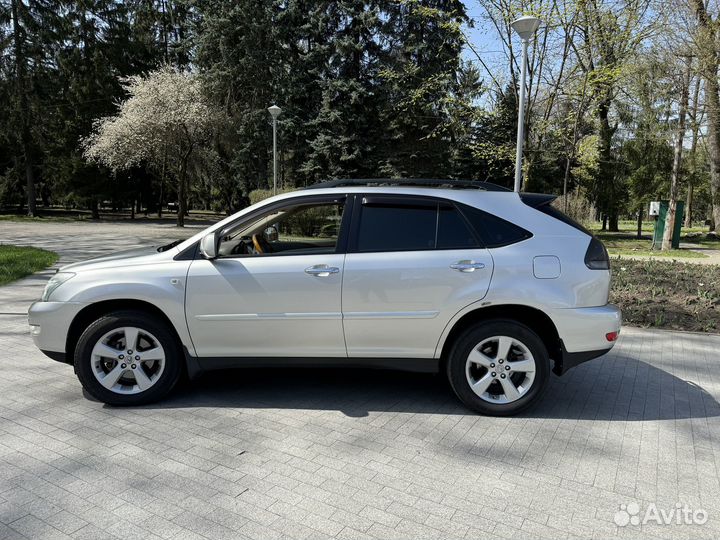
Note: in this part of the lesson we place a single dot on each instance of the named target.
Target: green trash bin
(660, 225)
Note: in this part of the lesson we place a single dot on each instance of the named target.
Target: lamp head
(525, 26)
(274, 111)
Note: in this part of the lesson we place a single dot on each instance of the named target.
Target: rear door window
(453, 230)
(397, 224)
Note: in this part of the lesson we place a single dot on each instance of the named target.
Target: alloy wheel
(500, 369)
(128, 360)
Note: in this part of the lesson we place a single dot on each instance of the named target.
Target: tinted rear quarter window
(557, 214)
(494, 231)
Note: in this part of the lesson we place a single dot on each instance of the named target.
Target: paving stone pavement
(349, 453)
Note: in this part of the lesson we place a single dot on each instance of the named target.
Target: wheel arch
(96, 310)
(533, 318)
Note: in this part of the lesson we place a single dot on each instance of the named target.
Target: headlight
(55, 281)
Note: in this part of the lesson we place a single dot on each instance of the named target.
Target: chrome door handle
(467, 266)
(322, 270)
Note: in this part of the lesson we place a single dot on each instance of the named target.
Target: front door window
(301, 229)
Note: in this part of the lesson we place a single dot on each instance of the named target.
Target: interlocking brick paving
(284, 453)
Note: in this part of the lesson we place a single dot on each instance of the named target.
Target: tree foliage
(163, 123)
(368, 88)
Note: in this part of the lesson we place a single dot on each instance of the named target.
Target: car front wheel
(498, 367)
(127, 358)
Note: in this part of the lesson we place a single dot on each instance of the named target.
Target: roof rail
(409, 182)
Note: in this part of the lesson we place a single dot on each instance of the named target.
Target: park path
(77, 241)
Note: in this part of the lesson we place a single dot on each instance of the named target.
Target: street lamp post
(525, 28)
(274, 112)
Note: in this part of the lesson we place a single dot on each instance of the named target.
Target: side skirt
(198, 365)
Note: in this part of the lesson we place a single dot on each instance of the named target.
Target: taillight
(611, 336)
(596, 256)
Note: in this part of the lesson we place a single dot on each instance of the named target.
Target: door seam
(342, 312)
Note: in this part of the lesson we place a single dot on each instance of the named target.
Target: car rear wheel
(127, 358)
(498, 367)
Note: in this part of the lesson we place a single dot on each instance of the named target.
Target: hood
(120, 258)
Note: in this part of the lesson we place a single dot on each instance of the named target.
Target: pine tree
(465, 122)
(29, 67)
(303, 27)
(86, 75)
(240, 59)
(494, 143)
(423, 61)
(348, 122)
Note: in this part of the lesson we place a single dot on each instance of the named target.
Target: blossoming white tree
(164, 121)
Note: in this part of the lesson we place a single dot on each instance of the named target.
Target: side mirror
(271, 234)
(208, 246)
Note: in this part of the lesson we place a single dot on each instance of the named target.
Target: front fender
(162, 285)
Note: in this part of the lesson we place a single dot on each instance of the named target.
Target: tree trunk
(30, 181)
(566, 179)
(713, 137)
(713, 134)
(639, 222)
(94, 209)
(162, 182)
(161, 202)
(573, 150)
(707, 52)
(182, 201)
(614, 221)
(693, 155)
(183, 185)
(45, 196)
(21, 190)
(606, 181)
(677, 162)
(25, 122)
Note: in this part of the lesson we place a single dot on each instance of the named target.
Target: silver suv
(493, 288)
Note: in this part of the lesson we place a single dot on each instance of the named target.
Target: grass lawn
(667, 294)
(655, 254)
(622, 244)
(625, 242)
(18, 261)
(648, 226)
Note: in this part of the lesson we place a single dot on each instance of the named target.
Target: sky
(482, 36)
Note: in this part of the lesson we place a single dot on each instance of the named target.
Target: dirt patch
(667, 294)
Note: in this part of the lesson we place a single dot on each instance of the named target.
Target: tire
(493, 394)
(102, 354)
